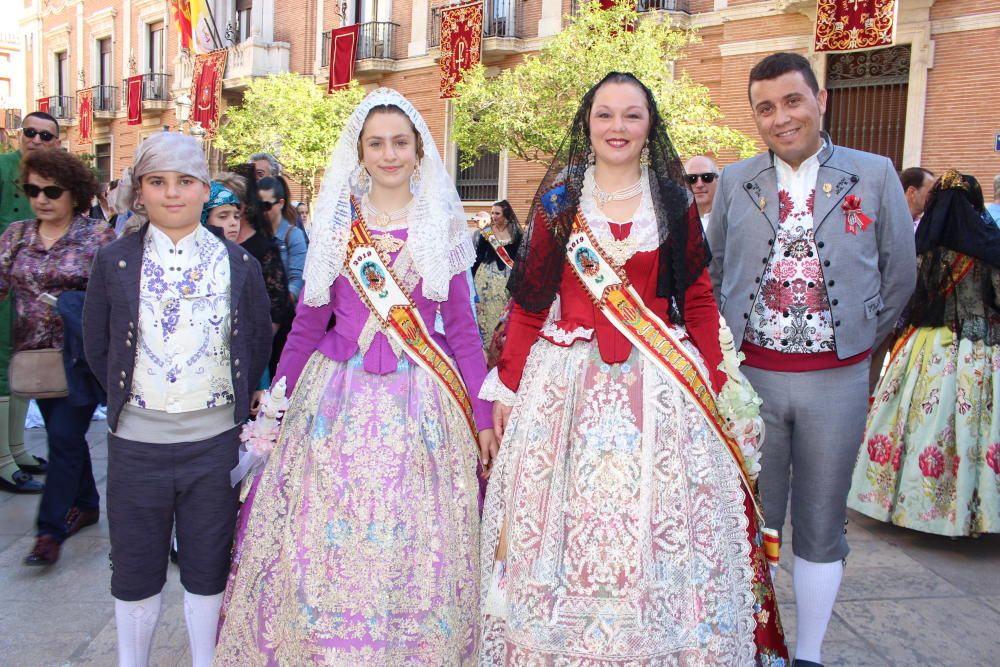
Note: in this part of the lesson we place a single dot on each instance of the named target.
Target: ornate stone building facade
(925, 101)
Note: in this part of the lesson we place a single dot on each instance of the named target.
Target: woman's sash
(498, 247)
(621, 304)
(386, 299)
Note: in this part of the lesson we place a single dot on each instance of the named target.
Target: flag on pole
(181, 10)
(202, 27)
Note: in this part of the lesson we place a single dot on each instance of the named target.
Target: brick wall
(962, 116)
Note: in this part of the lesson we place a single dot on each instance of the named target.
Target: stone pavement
(907, 598)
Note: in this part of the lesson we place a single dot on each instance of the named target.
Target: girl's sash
(498, 247)
(621, 304)
(386, 299)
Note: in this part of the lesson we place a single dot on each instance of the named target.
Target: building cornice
(61, 30)
(965, 23)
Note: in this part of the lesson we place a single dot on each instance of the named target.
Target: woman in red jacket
(617, 529)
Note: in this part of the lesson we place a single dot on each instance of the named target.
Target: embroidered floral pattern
(183, 357)
(359, 544)
(935, 412)
(627, 532)
(791, 312)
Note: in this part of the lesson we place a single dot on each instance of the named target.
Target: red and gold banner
(181, 12)
(85, 114)
(461, 43)
(343, 48)
(133, 100)
(43, 104)
(206, 89)
(855, 25)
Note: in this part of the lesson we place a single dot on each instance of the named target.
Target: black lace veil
(684, 253)
(954, 219)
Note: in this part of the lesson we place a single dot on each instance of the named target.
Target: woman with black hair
(931, 460)
(497, 243)
(619, 527)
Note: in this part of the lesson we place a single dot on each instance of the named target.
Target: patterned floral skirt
(627, 534)
(491, 288)
(931, 460)
(360, 544)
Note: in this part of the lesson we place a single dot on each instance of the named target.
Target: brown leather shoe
(78, 519)
(46, 552)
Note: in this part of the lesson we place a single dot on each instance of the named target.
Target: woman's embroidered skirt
(931, 454)
(629, 538)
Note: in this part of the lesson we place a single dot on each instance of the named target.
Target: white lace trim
(556, 334)
(645, 233)
(438, 238)
(494, 389)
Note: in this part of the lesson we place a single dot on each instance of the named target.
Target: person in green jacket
(39, 131)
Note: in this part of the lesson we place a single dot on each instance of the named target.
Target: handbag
(38, 374)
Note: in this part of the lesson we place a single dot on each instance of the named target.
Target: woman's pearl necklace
(383, 219)
(602, 197)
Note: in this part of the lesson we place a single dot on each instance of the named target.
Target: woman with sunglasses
(275, 208)
(40, 258)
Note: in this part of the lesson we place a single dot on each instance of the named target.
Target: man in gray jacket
(812, 261)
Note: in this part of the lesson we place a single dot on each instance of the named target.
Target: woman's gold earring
(644, 155)
(364, 180)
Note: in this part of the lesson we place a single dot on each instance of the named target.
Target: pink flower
(785, 206)
(993, 457)
(932, 462)
(879, 449)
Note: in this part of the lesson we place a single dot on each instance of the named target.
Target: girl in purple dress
(360, 541)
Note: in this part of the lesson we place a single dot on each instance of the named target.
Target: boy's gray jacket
(869, 275)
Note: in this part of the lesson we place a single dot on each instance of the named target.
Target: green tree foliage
(529, 108)
(291, 117)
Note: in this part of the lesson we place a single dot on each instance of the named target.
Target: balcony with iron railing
(105, 102)
(155, 93)
(60, 107)
(502, 32)
(375, 51)
(642, 6)
(376, 47)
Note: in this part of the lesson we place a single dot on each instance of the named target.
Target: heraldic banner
(133, 100)
(343, 48)
(461, 43)
(85, 113)
(43, 104)
(855, 25)
(206, 89)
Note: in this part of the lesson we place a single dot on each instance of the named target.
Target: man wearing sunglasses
(701, 175)
(39, 131)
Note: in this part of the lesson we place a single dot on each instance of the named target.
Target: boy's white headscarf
(162, 151)
(438, 237)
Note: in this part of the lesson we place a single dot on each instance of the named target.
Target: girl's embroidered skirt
(359, 542)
